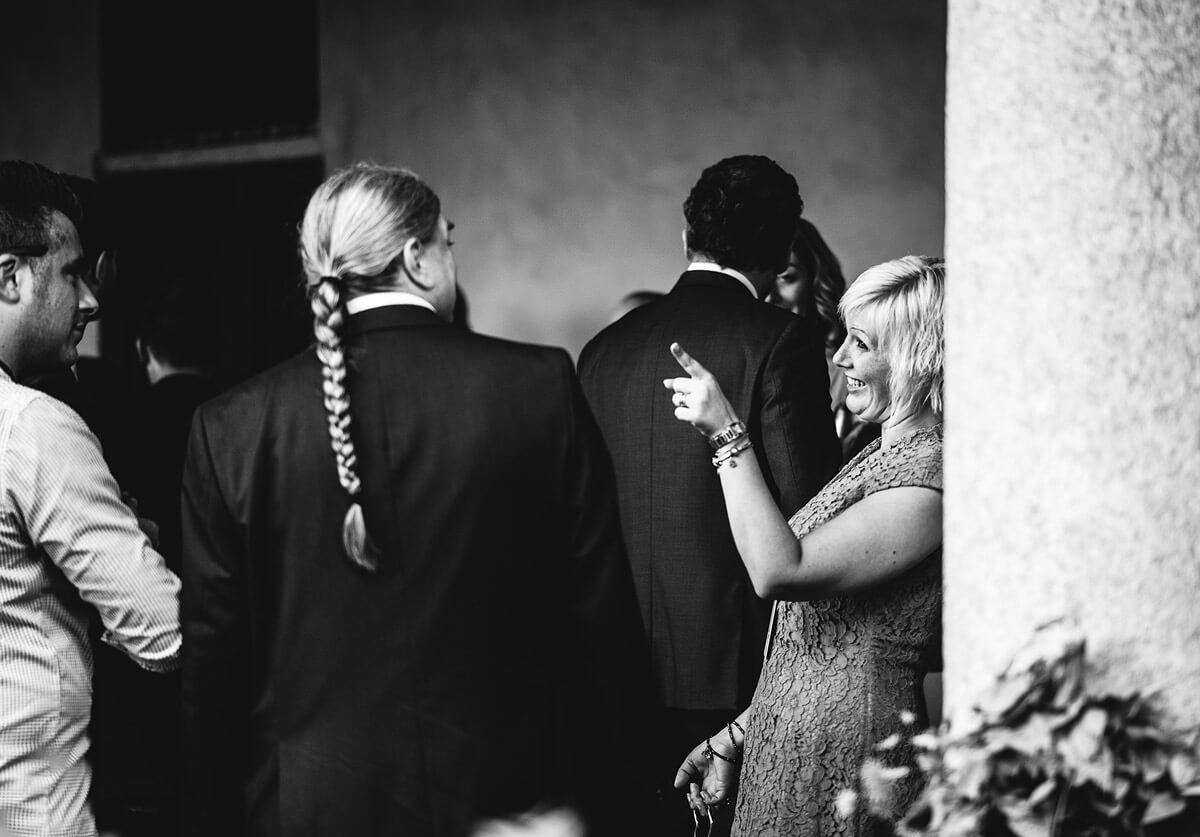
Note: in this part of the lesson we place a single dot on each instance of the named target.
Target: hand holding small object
(709, 775)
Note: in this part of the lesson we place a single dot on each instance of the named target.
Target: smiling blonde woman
(856, 573)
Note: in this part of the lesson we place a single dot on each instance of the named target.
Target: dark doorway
(231, 233)
(195, 75)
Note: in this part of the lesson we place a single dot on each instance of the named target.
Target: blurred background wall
(561, 136)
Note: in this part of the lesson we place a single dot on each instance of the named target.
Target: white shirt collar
(378, 299)
(728, 271)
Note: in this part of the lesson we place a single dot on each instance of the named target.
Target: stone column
(1073, 337)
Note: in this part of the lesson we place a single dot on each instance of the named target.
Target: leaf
(846, 803)
(1086, 737)
(1103, 802)
(1004, 698)
(926, 741)
(1121, 786)
(1084, 752)
(1098, 771)
(1023, 819)
(1054, 643)
(961, 823)
(1163, 806)
(877, 787)
(1036, 735)
(889, 743)
(1043, 792)
(1183, 769)
(1151, 762)
(967, 770)
(1146, 732)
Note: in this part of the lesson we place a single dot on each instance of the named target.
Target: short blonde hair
(903, 301)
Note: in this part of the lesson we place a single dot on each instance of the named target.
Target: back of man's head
(742, 214)
(29, 196)
(95, 231)
(175, 316)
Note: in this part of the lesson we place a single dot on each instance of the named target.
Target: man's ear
(414, 252)
(10, 290)
(106, 268)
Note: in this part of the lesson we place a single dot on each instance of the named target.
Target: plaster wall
(563, 137)
(1073, 332)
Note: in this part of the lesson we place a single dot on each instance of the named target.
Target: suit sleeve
(215, 659)
(798, 437)
(611, 658)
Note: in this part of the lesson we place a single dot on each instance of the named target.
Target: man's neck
(390, 296)
(157, 369)
(162, 375)
(756, 289)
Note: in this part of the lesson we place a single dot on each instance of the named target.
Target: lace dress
(841, 671)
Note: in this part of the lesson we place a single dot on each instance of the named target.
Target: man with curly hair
(706, 626)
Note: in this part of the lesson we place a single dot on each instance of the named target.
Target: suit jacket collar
(709, 279)
(392, 316)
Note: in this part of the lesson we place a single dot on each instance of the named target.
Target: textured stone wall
(563, 137)
(1073, 426)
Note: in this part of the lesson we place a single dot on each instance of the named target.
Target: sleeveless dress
(840, 671)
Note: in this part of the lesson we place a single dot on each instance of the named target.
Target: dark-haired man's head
(741, 214)
(45, 300)
(95, 231)
(175, 327)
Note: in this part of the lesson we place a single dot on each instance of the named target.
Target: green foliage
(1044, 758)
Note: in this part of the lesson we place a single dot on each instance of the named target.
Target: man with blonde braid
(407, 606)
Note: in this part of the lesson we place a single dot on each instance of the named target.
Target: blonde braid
(354, 229)
(328, 316)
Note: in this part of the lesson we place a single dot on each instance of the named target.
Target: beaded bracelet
(737, 748)
(709, 752)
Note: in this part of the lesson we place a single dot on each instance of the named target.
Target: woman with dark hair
(856, 573)
(811, 287)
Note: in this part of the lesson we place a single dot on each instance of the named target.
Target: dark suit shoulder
(247, 398)
(699, 318)
(503, 349)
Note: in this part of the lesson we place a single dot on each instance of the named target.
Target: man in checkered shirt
(66, 539)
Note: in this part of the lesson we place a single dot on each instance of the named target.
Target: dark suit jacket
(705, 624)
(165, 418)
(136, 746)
(497, 647)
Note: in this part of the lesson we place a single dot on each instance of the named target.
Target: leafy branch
(1042, 757)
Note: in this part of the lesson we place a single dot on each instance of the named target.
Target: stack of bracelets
(727, 444)
(709, 753)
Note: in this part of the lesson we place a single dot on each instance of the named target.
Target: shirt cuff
(158, 664)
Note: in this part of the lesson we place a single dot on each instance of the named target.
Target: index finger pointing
(689, 363)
